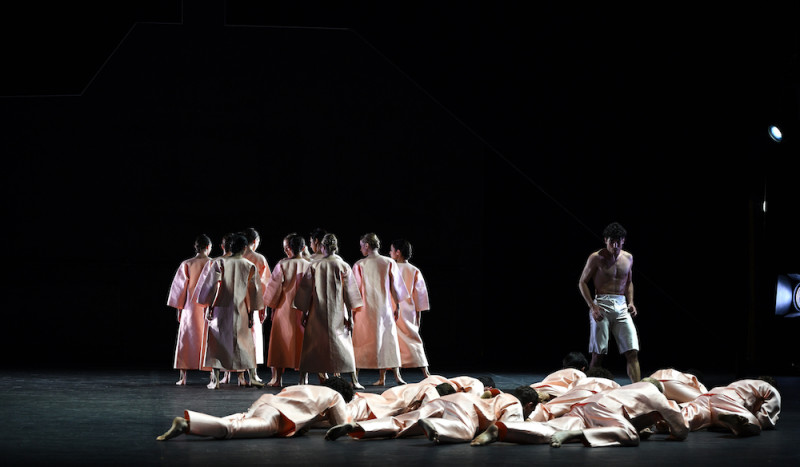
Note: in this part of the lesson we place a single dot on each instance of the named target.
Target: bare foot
(275, 384)
(227, 378)
(400, 381)
(559, 438)
(179, 427)
(339, 430)
(358, 386)
(429, 429)
(379, 383)
(739, 425)
(489, 436)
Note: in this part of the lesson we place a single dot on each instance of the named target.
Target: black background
(498, 138)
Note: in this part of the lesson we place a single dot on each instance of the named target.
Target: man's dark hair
(488, 381)
(615, 230)
(445, 389)
(341, 386)
(600, 372)
(769, 380)
(576, 360)
(526, 394)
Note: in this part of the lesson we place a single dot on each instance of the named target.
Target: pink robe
(558, 382)
(755, 400)
(262, 266)
(283, 414)
(412, 351)
(457, 418)
(328, 293)
(192, 329)
(231, 290)
(375, 332)
(678, 386)
(286, 336)
(580, 391)
(604, 418)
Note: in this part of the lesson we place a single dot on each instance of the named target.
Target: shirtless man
(612, 309)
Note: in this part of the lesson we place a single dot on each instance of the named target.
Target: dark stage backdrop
(499, 144)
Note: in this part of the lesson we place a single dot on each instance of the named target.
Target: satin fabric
(283, 414)
(286, 335)
(678, 386)
(262, 266)
(755, 400)
(457, 418)
(412, 350)
(231, 289)
(375, 339)
(559, 382)
(328, 293)
(192, 328)
(580, 391)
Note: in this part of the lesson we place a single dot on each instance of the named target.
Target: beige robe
(755, 400)
(283, 414)
(192, 328)
(286, 336)
(328, 293)
(412, 350)
(457, 418)
(580, 391)
(559, 382)
(262, 266)
(375, 331)
(231, 289)
(678, 386)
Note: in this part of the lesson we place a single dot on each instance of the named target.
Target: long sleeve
(178, 289)
(420, 293)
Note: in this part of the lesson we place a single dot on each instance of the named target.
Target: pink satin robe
(604, 418)
(328, 293)
(283, 414)
(678, 386)
(286, 336)
(558, 382)
(580, 391)
(375, 339)
(412, 350)
(755, 400)
(262, 266)
(231, 289)
(192, 328)
(393, 401)
(457, 418)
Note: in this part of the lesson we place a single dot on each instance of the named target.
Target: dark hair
(331, 243)
(445, 389)
(226, 241)
(251, 234)
(372, 240)
(296, 243)
(769, 380)
(599, 372)
(487, 381)
(576, 360)
(341, 386)
(403, 247)
(317, 234)
(526, 394)
(201, 243)
(238, 243)
(615, 230)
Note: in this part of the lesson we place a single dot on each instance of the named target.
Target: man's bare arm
(629, 290)
(583, 285)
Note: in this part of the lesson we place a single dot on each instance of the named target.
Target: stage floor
(113, 417)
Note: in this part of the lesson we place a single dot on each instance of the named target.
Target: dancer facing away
(262, 266)
(612, 310)
(412, 350)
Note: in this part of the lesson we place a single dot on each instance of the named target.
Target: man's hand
(632, 310)
(596, 313)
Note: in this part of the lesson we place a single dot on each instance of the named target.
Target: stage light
(775, 133)
(787, 296)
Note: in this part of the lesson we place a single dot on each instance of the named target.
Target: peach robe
(412, 351)
(231, 289)
(580, 391)
(457, 418)
(604, 418)
(192, 328)
(678, 386)
(262, 266)
(375, 331)
(755, 400)
(558, 382)
(286, 336)
(283, 414)
(328, 293)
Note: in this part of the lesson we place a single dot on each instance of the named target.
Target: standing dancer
(262, 266)
(412, 351)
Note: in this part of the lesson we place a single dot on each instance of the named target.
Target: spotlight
(787, 296)
(775, 133)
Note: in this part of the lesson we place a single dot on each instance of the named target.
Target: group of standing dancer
(327, 317)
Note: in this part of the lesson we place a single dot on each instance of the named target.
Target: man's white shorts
(616, 320)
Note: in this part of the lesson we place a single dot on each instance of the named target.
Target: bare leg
(634, 373)
(253, 381)
(489, 436)
(339, 430)
(277, 379)
(182, 380)
(240, 379)
(397, 376)
(354, 379)
(425, 372)
(227, 378)
(597, 360)
(561, 437)
(322, 377)
(214, 384)
(179, 427)
(381, 378)
(303, 378)
(254, 375)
